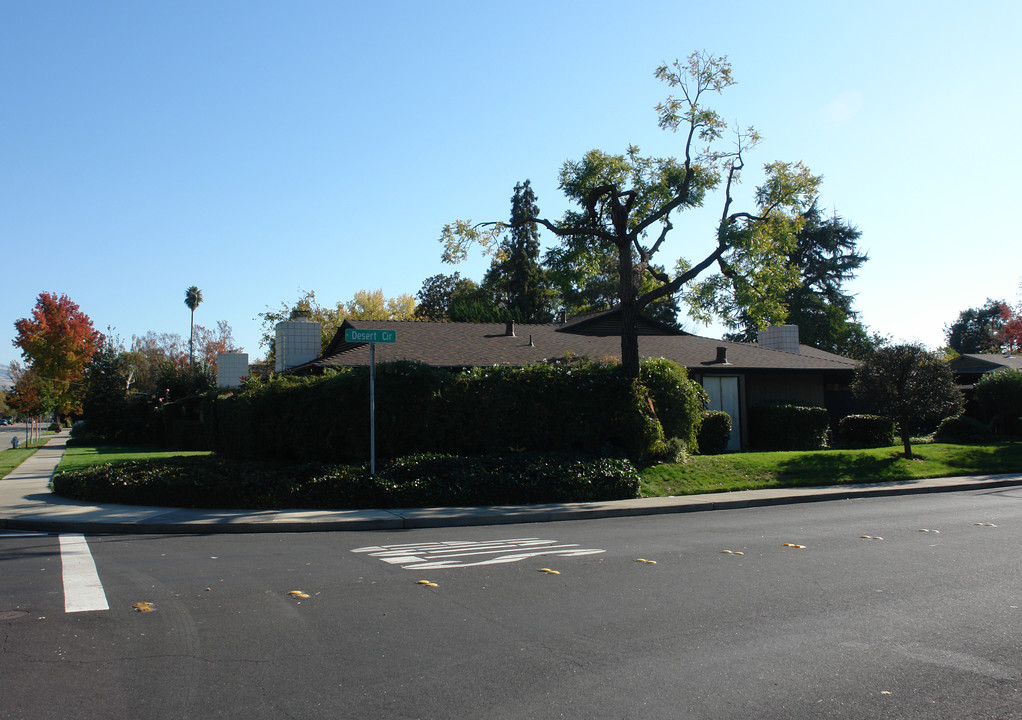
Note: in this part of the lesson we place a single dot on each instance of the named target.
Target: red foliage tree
(1010, 334)
(58, 341)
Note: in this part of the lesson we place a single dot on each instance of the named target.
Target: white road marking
(433, 555)
(83, 592)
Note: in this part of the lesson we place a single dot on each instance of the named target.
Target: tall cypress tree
(516, 277)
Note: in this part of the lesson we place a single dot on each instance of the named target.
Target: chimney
(531, 344)
(780, 337)
(722, 355)
(563, 317)
(509, 328)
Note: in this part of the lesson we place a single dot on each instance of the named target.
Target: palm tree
(193, 296)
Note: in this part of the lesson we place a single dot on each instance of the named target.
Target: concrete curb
(27, 504)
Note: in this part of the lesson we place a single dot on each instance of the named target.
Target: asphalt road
(916, 625)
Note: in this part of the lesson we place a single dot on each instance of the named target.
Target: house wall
(802, 389)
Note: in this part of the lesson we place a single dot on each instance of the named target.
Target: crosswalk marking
(83, 591)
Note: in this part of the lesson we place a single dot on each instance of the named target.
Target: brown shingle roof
(457, 345)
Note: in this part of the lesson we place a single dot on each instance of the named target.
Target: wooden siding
(802, 389)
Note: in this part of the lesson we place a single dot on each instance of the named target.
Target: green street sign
(369, 336)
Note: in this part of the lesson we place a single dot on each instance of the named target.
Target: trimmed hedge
(866, 431)
(580, 407)
(714, 432)
(962, 430)
(422, 481)
(788, 427)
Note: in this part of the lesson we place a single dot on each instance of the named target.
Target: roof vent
(531, 344)
(509, 328)
(722, 355)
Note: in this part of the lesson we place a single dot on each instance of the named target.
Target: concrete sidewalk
(26, 503)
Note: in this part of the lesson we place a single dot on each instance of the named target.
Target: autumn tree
(911, 385)
(977, 329)
(58, 341)
(364, 305)
(627, 203)
(211, 342)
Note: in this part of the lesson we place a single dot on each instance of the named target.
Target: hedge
(421, 481)
(788, 427)
(866, 431)
(580, 407)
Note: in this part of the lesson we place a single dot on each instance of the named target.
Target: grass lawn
(85, 455)
(749, 471)
(11, 458)
(720, 473)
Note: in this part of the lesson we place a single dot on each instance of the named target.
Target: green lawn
(11, 458)
(721, 473)
(749, 471)
(85, 455)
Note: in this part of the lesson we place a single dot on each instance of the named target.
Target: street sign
(372, 337)
(369, 336)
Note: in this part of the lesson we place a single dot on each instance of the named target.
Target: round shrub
(962, 430)
(866, 431)
(714, 432)
(677, 400)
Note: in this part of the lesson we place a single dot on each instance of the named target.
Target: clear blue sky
(258, 148)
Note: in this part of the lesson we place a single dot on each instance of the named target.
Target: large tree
(57, 341)
(978, 330)
(911, 385)
(516, 277)
(627, 202)
(825, 256)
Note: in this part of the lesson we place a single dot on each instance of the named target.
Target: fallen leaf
(793, 545)
(143, 607)
(298, 594)
(549, 571)
(728, 552)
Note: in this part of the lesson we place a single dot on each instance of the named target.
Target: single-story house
(970, 367)
(735, 375)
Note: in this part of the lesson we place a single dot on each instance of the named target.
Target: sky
(260, 149)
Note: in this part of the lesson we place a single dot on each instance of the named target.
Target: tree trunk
(629, 313)
(906, 441)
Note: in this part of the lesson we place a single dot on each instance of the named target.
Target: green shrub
(866, 431)
(962, 430)
(788, 427)
(419, 481)
(581, 407)
(677, 400)
(999, 393)
(714, 432)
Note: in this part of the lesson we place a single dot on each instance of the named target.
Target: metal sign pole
(372, 408)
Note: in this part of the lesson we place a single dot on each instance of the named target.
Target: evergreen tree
(515, 277)
(979, 329)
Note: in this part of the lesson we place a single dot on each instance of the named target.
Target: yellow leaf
(298, 594)
(143, 607)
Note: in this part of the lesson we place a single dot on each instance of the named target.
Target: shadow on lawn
(837, 467)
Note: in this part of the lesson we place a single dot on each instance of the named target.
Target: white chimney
(297, 342)
(230, 369)
(780, 337)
